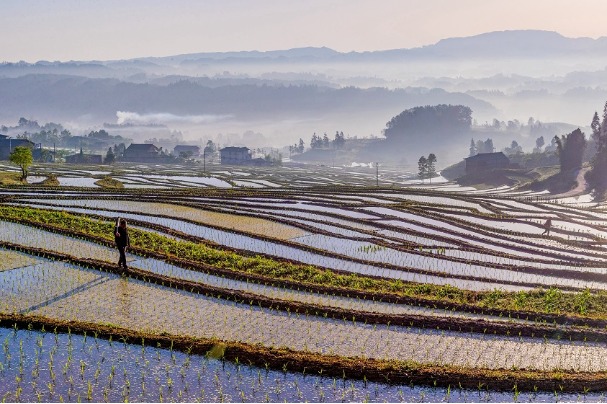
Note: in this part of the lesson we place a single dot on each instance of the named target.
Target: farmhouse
(186, 151)
(235, 155)
(7, 145)
(486, 161)
(143, 153)
(82, 158)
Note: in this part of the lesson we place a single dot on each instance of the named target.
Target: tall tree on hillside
(315, 142)
(339, 140)
(596, 129)
(325, 141)
(429, 121)
(570, 149)
(300, 146)
(597, 176)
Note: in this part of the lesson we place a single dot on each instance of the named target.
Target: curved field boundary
(444, 275)
(553, 272)
(270, 280)
(333, 366)
(411, 320)
(229, 198)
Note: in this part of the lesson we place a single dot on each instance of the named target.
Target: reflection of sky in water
(116, 371)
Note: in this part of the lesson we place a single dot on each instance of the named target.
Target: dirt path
(581, 185)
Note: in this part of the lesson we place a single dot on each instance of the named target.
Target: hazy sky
(33, 30)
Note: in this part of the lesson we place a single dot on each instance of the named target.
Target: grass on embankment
(109, 183)
(10, 178)
(549, 301)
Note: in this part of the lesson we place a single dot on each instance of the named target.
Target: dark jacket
(123, 240)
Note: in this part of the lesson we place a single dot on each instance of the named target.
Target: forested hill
(56, 97)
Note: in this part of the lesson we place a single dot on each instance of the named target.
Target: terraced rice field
(327, 292)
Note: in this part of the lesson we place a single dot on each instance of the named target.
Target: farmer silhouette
(547, 227)
(121, 235)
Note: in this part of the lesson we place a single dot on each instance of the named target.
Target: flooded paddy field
(397, 292)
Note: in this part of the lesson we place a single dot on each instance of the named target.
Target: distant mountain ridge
(511, 43)
(515, 43)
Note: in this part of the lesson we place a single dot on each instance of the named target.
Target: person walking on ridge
(121, 235)
(547, 227)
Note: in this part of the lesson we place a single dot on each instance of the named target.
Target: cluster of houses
(140, 153)
(148, 153)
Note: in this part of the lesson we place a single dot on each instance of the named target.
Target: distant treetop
(429, 120)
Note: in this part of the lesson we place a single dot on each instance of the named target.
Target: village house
(143, 153)
(486, 161)
(83, 158)
(235, 155)
(7, 145)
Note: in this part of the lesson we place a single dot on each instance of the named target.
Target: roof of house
(488, 156)
(15, 142)
(142, 147)
(233, 148)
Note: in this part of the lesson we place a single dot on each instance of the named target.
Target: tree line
(596, 177)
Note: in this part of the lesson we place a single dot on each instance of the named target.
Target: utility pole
(204, 160)
(377, 174)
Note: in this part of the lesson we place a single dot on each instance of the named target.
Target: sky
(34, 30)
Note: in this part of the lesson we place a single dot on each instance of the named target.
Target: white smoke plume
(165, 117)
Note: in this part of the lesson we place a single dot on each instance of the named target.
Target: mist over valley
(282, 96)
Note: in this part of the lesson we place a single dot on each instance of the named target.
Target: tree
(300, 147)
(422, 165)
(325, 141)
(430, 121)
(22, 156)
(339, 140)
(431, 166)
(102, 134)
(473, 149)
(484, 146)
(110, 157)
(539, 143)
(427, 166)
(315, 142)
(570, 149)
(596, 129)
(489, 146)
(596, 177)
(514, 148)
(210, 148)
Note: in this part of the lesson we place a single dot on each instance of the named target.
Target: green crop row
(541, 301)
